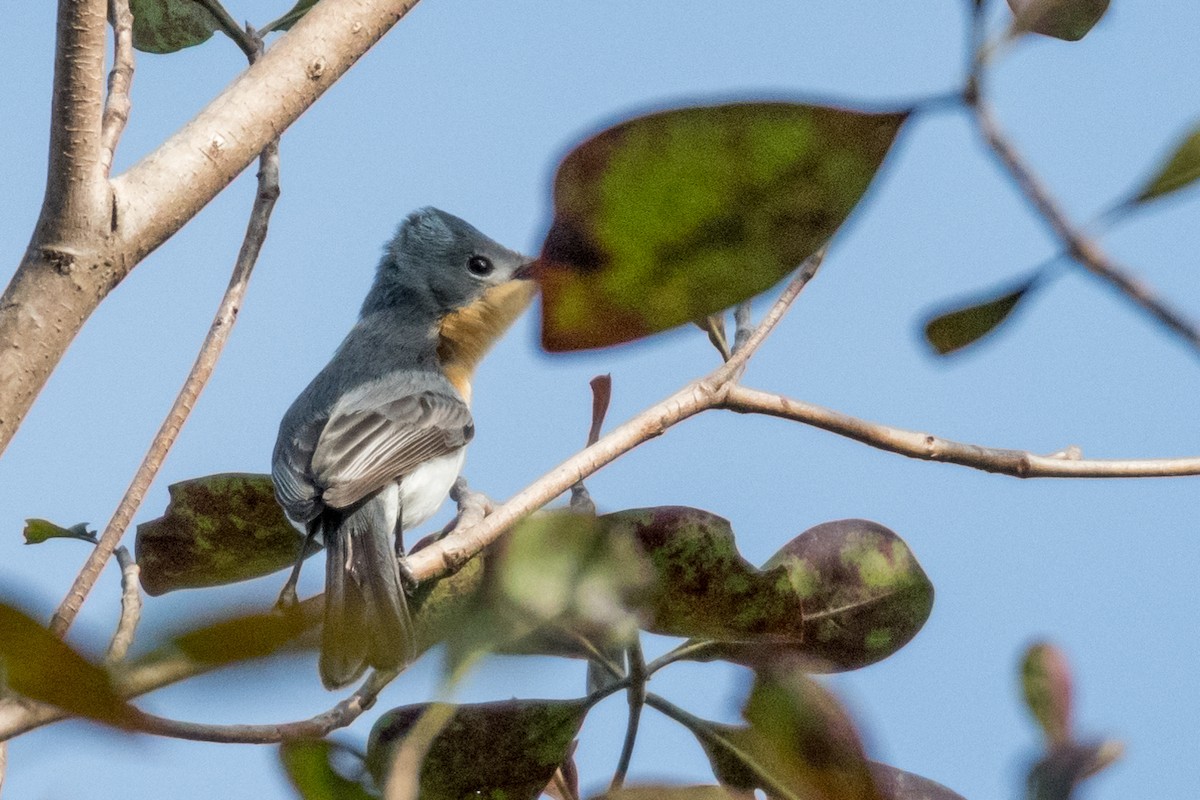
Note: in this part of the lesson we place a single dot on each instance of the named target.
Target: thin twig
(240, 36)
(685, 651)
(341, 715)
(1018, 463)
(1084, 250)
(117, 104)
(601, 385)
(131, 608)
(637, 699)
(743, 325)
(206, 359)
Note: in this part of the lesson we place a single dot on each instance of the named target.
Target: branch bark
(93, 232)
(1018, 463)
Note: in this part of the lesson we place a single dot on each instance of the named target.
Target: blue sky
(468, 106)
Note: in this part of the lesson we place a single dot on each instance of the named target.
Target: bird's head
(445, 262)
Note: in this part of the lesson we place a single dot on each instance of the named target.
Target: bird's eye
(479, 265)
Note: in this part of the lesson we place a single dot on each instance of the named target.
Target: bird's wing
(294, 488)
(367, 444)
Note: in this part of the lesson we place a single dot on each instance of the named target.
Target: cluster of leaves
(839, 596)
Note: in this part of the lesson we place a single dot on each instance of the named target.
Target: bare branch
(1086, 252)
(743, 325)
(131, 608)
(206, 360)
(75, 258)
(76, 203)
(117, 104)
(1018, 463)
(341, 715)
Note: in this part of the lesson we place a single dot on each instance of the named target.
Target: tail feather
(366, 613)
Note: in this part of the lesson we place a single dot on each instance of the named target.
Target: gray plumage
(371, 446)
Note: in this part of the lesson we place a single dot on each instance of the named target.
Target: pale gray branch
(131, 608)
(117, 104)
(1019, 463)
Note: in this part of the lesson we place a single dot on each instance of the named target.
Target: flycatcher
(372, 446)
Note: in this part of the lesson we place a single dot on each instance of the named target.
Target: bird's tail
(366, 613)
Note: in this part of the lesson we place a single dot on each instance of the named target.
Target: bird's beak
(527, 271)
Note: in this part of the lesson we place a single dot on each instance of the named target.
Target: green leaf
(896, 784)
(800, 744)
(37, 664)
(218, 529)
(570, 571)
(507, 749)
(1046, 683)
(808, 733)
(164, 26)
(1069, 20)
(863, 592)
(248, 636)
(1181, 170)
(702, 586)
(39, 530)
(310, 767)
(670, 217)
(953, 330)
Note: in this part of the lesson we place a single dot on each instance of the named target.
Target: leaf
(1046, 682)
(669, 217)
(248, 636)
(568, 570)
(217, 529)
(37, 664)
(953, 330)
(289, 19)
(863, 592)
(1181, 170)
(1065, 766)
(39, 530)
(164, 26)
(702, 585)
(1069, 20)
(808, 732)
(896, 784)
(507, 749)
(310, 767)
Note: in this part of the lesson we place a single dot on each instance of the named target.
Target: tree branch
(1081, 248)
(1018, 463)
(61, 280)
(117, 104)
(341, 715)
(451, 552)
(131, 608)
(206, 360)
(76, 202)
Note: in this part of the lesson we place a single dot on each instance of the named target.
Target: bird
(371, 447)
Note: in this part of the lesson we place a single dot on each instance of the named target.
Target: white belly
(423, 490)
